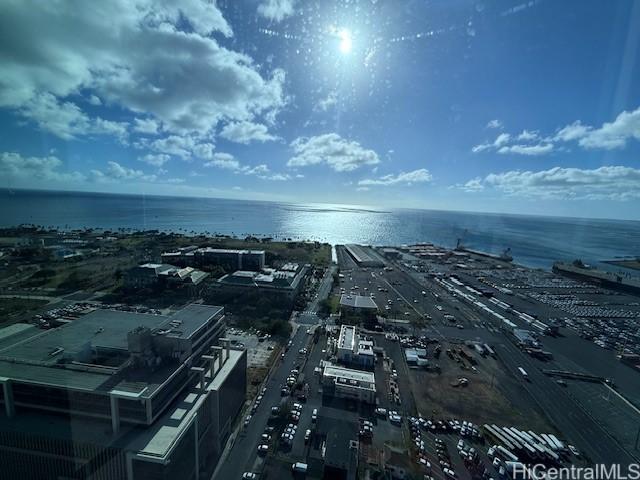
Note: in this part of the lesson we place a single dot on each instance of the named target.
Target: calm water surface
(535, 241)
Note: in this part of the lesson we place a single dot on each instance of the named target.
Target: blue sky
(521, 107)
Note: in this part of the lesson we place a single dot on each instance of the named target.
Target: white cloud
(574, 131)
(204, 150)
(152, 58)
(276, 10)
(327, 102)
(43, 169)
(246, 132)
(66, 119)
(157, 160)
(115, 171)
(609, 136)
(278, 177)
(225, 161)
(612, 135)
(473, 185)
(261, 169)
(494, 124)
(180, 146)
(340, 154)
(539, 149)
(527, 136)
(147, 126)
(421, 175)
(608, 182)
(500, 140)
(94, 100)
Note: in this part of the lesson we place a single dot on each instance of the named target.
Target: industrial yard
(555, 343)
(428, 363)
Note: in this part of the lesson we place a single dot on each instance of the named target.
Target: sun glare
(345, 40)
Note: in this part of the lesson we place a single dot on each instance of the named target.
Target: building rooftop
(155, 441)
(339, 437)
(159, 439)
(91, 353)
(267, 277)
(364, 379)
(357, 301)
(347, 337)
(229, 251)
(363, 255)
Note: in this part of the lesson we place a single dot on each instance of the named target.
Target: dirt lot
(489, 396)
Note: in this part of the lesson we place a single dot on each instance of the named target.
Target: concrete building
(350, 384)
(354, 350)
(392, 253)
(229, 259)
(342, 448)
(287, 281)
(358, 305)
(120, 395)
(364, 256)
(151, 275)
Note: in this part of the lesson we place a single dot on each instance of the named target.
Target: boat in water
(614, 280)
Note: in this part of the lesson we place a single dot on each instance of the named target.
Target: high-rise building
(120, 395)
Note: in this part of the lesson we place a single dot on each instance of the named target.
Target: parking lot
(258, 351)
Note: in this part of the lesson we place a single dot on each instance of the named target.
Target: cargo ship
(505, 256)
(613, 280)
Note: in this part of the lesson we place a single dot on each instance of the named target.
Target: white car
(262, 449)
(397, 419)
(249, 476)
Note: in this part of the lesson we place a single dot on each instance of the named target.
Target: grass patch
(12, 309)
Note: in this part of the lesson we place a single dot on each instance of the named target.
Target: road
(242, 456)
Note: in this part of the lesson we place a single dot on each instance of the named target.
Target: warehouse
(364, 256)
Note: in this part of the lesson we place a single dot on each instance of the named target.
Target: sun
(346, 42)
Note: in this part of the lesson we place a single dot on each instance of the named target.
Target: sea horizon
(350, 206)
(534, 241)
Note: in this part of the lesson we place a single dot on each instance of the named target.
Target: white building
(347, 383)
(354, 350)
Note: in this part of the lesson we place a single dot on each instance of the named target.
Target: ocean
(534, 241)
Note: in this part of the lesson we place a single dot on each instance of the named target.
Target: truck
(524, 373)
